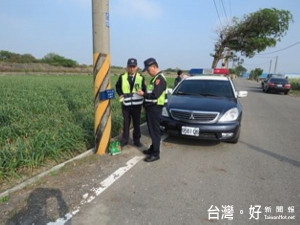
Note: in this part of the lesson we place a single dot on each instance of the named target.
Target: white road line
(97, 191)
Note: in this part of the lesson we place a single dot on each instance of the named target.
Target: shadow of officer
(37, 211)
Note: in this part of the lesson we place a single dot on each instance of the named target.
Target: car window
(217, 88)
(278, 80)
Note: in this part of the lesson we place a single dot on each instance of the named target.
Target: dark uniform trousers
(133, 112)
(153, 114)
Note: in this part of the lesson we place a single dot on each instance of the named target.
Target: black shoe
(138, 144)
(151, 158)
(148, 152)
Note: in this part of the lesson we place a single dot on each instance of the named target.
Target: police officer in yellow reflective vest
(127, 86)
(154, 100)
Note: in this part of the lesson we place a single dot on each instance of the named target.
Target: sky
(179, 34)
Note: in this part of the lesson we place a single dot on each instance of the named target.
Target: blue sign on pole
(107, 94)
(107, 19)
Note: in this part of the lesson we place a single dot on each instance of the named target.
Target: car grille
(194, 116)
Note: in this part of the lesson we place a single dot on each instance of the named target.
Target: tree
(254, 74)
(239, 70)
(50, 58)
(28, 58)
(7, 56)
(57, 60)
(231, 70)
(252, 34)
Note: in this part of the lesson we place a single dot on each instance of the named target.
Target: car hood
(200, 103)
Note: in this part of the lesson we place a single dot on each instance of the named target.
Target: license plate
(191, 131)
(279, 85)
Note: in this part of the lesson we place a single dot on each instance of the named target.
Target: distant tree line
(238, 70)
(50, 58)
(254, 74)
(117, 67)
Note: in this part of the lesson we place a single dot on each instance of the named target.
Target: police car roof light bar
(201, 71)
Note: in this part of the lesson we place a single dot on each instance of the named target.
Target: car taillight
(271, 84)
(287, 86)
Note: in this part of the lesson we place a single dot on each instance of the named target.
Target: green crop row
(43, 118)
(295, 84)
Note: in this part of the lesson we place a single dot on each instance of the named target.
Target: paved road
(263, 169)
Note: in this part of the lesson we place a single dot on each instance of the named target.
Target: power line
(224, 9)
(217, 12)
(268, 53)
(230, 11)
(258, 64)
(264, 57)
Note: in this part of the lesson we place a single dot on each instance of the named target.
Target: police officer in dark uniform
(127, 86)
(178, 78)
(154, 100)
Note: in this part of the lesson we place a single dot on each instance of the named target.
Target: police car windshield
(215, 88)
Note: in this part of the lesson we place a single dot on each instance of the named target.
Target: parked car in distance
(269, 76)
(277, 85)
(204, 107)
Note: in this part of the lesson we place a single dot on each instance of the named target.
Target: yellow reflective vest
(161, 100)
(130, 97)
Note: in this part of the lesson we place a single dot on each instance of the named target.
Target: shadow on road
(274, 155)
(43, 206)
(258, 89)
(255, 89)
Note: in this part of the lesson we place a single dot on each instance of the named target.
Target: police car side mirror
(169, 91)
(242, 94)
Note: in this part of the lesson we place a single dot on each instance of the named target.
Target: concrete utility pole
(270, 66)
(101, 62)
(275, 67)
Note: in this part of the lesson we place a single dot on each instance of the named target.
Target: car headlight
(230, 115)
(165, 112)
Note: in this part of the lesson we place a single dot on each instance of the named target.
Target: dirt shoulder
(294, 93)
(46, 69)
(61, 192)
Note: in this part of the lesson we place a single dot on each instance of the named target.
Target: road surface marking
(97, 191)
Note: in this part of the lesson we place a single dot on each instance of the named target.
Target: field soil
(41, 67)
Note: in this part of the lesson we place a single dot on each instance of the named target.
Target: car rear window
(278, 80)
(217, 88)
